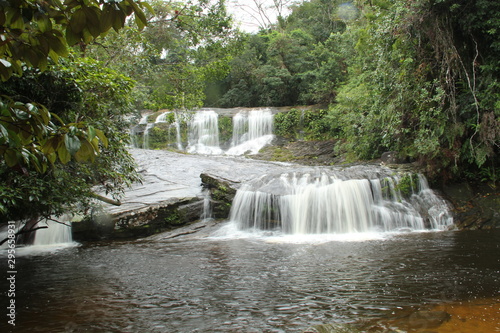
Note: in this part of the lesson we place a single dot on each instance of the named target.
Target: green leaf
(52, 145)
(5, 70)
(71, 37)
(102, 137)
(95, 143)
(107, 17)
(43, 22)
(119, 20)
(10, 157)
(148, 7)
(78, 21)
(85, 153)
(64, 155)
(93, 22)
(4, 134)
(140, 21)
(72, 143)
(91, 133)
(58, 46)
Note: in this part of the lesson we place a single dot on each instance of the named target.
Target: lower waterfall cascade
(331, 203)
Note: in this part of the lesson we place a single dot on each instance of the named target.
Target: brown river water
(259, 282)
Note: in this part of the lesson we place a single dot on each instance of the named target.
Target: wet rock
(391, 157)
(302, 152)
(428, 319)
(222, 192)
(477, 206)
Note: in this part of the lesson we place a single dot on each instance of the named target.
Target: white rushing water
(326, 204)
(204, 134)
(252, 130)
(145, 142)
(162, 118)
(55, 233)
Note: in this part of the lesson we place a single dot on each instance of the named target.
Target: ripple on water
(245, 284)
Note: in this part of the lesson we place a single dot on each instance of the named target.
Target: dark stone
(222, 192)
(476, 206)
(391, 157)
(428, 319)
(139, 223)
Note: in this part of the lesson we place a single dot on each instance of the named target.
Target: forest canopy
(420, 78)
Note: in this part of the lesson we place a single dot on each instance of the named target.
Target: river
(304, 246)
(228, 281)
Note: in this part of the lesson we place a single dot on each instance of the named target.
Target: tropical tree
(34, 34)
(76, 91)
(423, 82)
(185, 46)
(53, 151)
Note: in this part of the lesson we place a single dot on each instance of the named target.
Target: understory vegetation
(420, 78)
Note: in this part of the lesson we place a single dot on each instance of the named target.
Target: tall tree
(185, 45)
(424, 81)
(53, 152)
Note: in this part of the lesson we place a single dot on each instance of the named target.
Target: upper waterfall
(252, 130)
(204, 133)
(199, 132)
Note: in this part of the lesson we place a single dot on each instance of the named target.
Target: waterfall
(56, 233)
(133, 138)
(162, 118)
(145, 142)
(177, 126)
(327, 203)
(252, 130)
(204, 133)
(144, 120)
(207, 206)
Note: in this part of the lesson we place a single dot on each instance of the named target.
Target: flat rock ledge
(136, 223)
(173, 194)
(170, 215)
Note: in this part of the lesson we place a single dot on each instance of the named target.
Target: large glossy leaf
(72, 143)
(64, 155)
(85, 153)
(78, 21)
(102, 137)
(107, 17)
(93, 23)
(43, 22)
(10, 157)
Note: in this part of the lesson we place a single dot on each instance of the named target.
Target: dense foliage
(417, 77)
(76, 91)
(185, 45)
(424, 82)
(64, 117)
(54, 142)
(296, 62)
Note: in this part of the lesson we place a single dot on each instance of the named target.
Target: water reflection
(249, 285)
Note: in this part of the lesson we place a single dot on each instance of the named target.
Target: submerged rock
(427, 319)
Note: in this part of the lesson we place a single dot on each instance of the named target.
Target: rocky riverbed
(172, 193)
